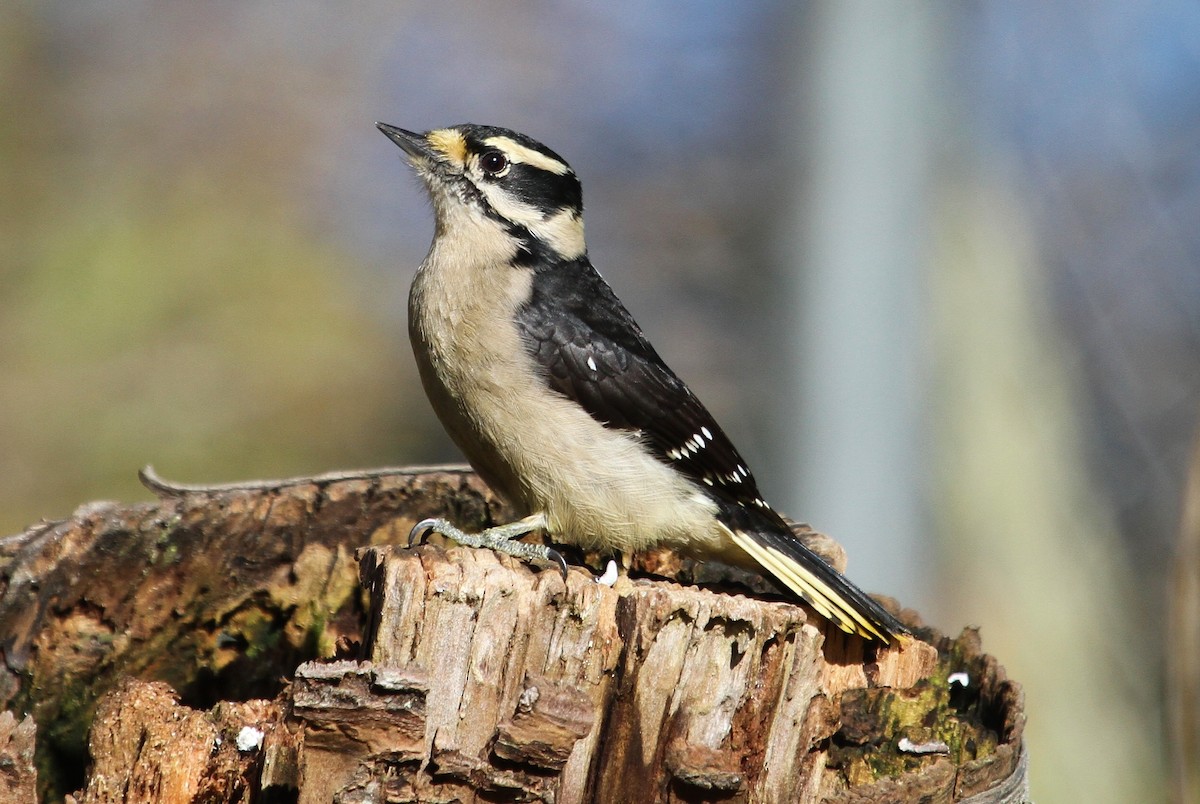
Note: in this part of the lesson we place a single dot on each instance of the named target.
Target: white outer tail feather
(816, 593)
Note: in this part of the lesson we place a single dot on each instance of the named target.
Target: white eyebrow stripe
(519, 153)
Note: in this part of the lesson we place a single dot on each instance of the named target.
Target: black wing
(593, 352)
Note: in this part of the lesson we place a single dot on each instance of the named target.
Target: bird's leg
(502, 538)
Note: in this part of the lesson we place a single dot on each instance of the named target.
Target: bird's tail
(820, 585)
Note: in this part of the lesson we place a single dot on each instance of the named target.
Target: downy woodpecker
(547, 384)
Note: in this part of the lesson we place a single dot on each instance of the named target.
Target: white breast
(596, 485)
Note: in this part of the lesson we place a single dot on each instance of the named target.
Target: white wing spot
(707, 433)
(674, 454)
(743, 471)
(591, 363)
(708, 481)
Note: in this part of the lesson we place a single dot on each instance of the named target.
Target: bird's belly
(597, 486)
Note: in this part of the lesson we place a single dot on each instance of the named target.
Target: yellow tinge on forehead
(519, 153)
(449, 142)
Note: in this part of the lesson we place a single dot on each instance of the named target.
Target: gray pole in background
(856, 244)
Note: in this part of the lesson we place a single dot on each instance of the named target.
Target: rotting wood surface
(477, 678)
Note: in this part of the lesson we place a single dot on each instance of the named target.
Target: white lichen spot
(932, 747)
(528, 697)
(249, 739)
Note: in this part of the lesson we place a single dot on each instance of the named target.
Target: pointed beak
(413, 144)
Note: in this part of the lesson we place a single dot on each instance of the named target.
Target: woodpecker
(551, 390)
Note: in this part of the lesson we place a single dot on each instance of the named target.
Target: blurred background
(934, 267)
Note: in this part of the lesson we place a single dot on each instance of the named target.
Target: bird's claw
(500, 539)
(421, 530)
(556, 557)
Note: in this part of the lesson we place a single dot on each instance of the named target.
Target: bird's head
(474, 171)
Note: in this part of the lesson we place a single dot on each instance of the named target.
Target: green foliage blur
(174, 309)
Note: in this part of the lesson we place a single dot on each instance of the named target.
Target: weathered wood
(18, 777)
(148, 748)
(485, 679)
(218, 591)
(466, 677)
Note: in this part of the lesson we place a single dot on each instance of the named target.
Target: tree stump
(458, 675)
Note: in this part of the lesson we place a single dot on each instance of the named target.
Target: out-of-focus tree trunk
(1183, 649)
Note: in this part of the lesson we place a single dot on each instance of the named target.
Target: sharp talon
(421, 530)
(557, 558)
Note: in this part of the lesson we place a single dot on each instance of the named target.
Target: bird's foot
(502, 539)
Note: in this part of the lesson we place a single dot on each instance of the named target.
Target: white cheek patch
(562, 231)
(510, 208)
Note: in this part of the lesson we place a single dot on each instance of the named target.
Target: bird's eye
(493, 162)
